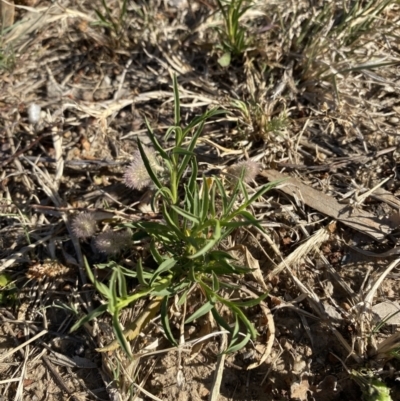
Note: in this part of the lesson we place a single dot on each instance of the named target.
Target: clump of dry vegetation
(141, 254)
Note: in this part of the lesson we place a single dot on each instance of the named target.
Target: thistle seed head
(136, 175)
(84, 225)
(249, 168)
(112, 242)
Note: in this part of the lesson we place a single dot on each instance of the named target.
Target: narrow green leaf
(113, 300)
(103, 289)
(233, 199)
(215, 282)
(185, 214)
(163, 292)
(220, 255)
(240, 314)
(182, 151)
(218, 318)
(120, 335)
(188, 201)
(123, 9)
(153, 228)
(205, 308)
(211, 243)
(167, 265)
(128, 272)
(165, 321)
(236, 224)
(5, 279)
(183, 166)
(196, 135)
(154, 252)
(194, 189)
(165, 192)
(172, 225)
(177, 106)
(190, 148)
(192, 184)
(251, 302)
(204, 117)
(205, 200)
(223, 267)
(88, 270)
(90, 316)
(102, 18)
(163, 282)
(140, 272)
(265, 188)
(183, 298)
(238, 346)
(155, 142)
(192, 274)
(213, 202)
(122, 303)
(246, 321)
(123, 292)
(235, 330)
(146, 162)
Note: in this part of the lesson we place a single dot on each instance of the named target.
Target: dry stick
(360, 220)
(7, 262)
(20, 389)
(321, 312)
(117, 94)
(369, 297)
(153, 397)
(9, 381)
(312, 244)
(219, 370)
(17, 163)
(180, 378)
(146, 377)
(59, 379)
(9, 353)
(319, 237)
(24, 150)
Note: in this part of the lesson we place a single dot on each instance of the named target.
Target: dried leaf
(299, 390)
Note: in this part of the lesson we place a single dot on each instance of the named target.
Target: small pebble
(34, 113)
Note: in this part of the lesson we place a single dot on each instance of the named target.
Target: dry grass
(313, 93)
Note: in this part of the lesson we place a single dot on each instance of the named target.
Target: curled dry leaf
(299, 390)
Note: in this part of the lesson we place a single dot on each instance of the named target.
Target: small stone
(385, 309)
(34, 113)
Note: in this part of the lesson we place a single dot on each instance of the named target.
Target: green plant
(7, 58)
(257, 122)
(115, 25)
(373, 389)
(185, 245)
(329, 27)
(233, 36)
(8, 290)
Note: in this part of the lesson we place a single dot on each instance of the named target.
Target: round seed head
(111, 242)
(84, 225)
(248, 168)
(136, 175)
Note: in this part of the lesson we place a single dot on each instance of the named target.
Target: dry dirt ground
(313, 95)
